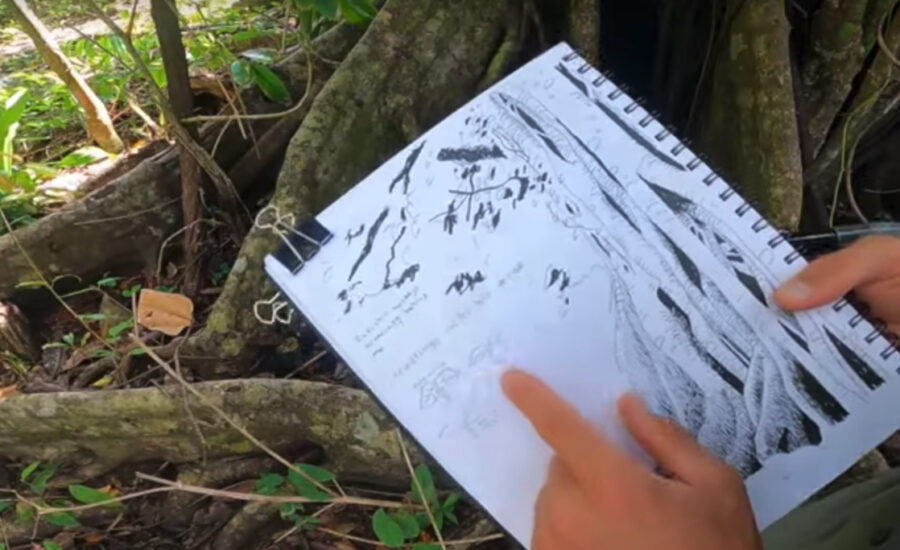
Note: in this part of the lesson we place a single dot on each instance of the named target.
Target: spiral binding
(646, 118)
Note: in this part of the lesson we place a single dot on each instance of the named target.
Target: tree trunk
(99, 124)
(168, 30)
(410, 70)
(751, 130)
(584, 28)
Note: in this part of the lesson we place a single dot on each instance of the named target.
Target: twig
(45, 510)
(234, 108)
(227, 418)
(169, 239)
(142, 114)
(225, 127)
(271, 499)
(312, 361)
(130, 27)
(412, 472)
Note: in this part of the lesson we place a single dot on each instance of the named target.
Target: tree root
(98, 431)
(411, 69)
(871, 107)
(843, 35)
(751, 129)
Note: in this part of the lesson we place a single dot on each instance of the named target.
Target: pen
(842, 236)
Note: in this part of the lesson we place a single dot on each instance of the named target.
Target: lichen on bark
(751, 127)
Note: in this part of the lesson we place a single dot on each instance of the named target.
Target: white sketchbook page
(551, 224)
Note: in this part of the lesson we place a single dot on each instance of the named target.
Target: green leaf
(2, 546)
(93, 317)
(132, 291)
(271, 85)
(24, 513)
(104, 354)
(425, 546)
(69, 339)
(117, 329)
(319, 474)
(241, 73)
(327, 8)
(136, 352)
(5, 505)
(39, 483)
(306, 523)
(449, 507)
(28, 470)
(268, 484)
(357, 12)
(13, 109)
(387, 530)
(83, 157)
(62, 519)
(306, 488)
(249, 34)
(426, 481)
(287, 509)
(50, 545)
(108, 282)
(31, 284)
(259, 55)
(87, 495)
(408, 524)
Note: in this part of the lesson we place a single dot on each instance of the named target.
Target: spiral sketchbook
(553, 224)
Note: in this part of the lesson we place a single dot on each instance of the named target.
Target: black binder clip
(301, 241)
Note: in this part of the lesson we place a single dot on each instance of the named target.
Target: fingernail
(796, 289)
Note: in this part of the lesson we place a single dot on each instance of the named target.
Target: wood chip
(164, 312)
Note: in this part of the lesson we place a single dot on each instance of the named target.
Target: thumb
(831, 277)
(671, 446)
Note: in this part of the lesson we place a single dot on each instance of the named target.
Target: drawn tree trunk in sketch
(97, 119)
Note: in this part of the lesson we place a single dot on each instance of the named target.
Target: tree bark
(99, 124)
(140, 209)
(870, 108)
(96, 432)
(584, 28)
(840, 41)
(410, 70)
(168, 30)
(751, 128)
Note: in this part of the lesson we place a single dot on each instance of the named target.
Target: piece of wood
(99, 124)
(16, 335)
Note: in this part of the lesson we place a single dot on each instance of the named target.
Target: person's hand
(597, 497)
(870, 267)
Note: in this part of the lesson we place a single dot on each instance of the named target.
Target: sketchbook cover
(554, 225)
